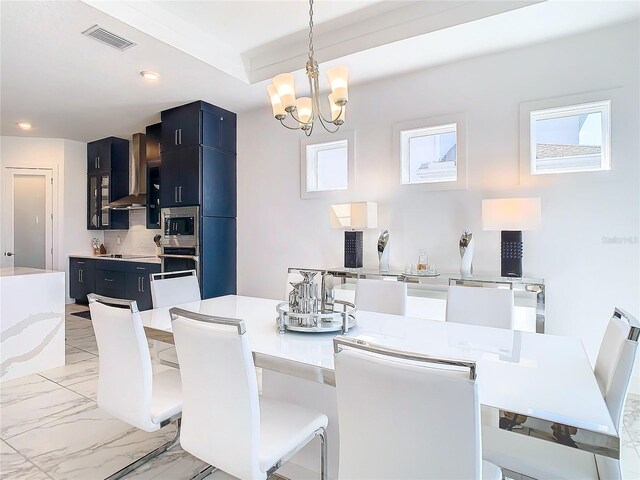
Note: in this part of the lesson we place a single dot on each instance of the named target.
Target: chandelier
(306, 110)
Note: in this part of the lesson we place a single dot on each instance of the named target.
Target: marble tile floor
(52, 428)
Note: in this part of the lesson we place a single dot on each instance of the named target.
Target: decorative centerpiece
(466, 254)
(307, 312)
(383, 251)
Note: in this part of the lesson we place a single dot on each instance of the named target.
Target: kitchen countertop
(18, 271)
(141, 258)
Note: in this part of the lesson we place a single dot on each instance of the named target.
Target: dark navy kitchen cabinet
(180, 174)
(111, 278)
(153, 138)
(82, 279)
(219, 190)
(137, 283)
(198, 123)
(107, 180)
(218, 259)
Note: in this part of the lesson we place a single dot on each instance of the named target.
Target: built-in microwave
(179, 227)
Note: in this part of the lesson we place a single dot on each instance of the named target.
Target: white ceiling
(70, 86)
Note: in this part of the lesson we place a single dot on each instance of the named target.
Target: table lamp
(355, 217)
(511, 216)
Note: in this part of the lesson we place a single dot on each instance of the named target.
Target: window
(570, 139)
(429, 154)
(432, 152)
(326, 166)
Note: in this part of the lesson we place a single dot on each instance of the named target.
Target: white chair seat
(284, 426)
(536, 458)
(490, 471)
(167, 395)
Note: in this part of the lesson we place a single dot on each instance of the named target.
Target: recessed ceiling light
(24, 125)
(149, 75)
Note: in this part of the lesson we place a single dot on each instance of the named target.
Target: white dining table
(545, 377)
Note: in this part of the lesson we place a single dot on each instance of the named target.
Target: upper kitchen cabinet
(110, 153)
(107, 180)
(153, 150)
(198, 123)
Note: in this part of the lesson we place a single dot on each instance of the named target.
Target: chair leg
(208, 470)
(149, 456)
(323, 454)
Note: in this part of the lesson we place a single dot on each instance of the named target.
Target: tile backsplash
(137, 240)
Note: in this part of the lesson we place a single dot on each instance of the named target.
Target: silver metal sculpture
(308, 312)
(466, 254)
(383, 251)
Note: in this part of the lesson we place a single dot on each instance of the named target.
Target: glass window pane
(430, 157)
(332, 169)
(570, 139)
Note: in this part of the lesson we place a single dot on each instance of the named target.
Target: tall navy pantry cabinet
(199, 168)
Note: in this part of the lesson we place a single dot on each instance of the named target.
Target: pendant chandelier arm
(287, 126)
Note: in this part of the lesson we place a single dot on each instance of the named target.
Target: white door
(27, 218)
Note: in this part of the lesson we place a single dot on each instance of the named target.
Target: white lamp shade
(276, 104)
(337, 112)
(303, 106)
(339, 81)
(512, 214)
(357, 216)
(285, 87)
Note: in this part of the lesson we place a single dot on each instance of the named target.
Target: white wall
(586, 277)
(68, 159)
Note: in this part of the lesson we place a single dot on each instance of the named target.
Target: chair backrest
(403, 416)
(381, 296)
(489, 307)
(181, 287)
(125, 375)
(615, 360)
(220, 405)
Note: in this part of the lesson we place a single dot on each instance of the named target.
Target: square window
(327, 165)
(569, 139)
(431, 153)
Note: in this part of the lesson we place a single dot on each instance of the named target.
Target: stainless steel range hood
(137, 198)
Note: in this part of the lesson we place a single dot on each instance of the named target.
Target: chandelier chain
(311, 30)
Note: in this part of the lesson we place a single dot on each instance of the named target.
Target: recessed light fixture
(149, 75)
(24, 125)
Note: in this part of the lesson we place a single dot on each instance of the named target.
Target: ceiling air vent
(108, 37)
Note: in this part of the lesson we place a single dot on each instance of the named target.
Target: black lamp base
(353, 249)
(511, 251)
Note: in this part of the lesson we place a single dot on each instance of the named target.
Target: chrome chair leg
(149, 456)
(323, 454)
(208, 470)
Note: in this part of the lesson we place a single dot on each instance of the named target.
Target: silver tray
(316, 322)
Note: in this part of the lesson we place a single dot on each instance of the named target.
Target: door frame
(51, 194)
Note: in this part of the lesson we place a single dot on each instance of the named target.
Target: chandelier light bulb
(339, 80)
(305, 109)
(276, 103)
(285, 87)
(24, 125)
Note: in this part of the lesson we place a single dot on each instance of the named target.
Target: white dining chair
(127, 387)
(489, 307)
(614, 365)
(381, 296)
(169, 289)
(405, 416)
(226, 423)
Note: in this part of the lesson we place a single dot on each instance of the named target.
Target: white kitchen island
(31, 321)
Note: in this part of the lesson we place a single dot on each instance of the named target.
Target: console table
(443, 280)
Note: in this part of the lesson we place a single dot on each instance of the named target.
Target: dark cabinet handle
(175, 193)
(180, 193)
(140, 268)
(108, 280)
(175, 136)
(180, 136)
(98, 161)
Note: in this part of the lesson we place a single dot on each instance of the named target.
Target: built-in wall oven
(180, 245)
